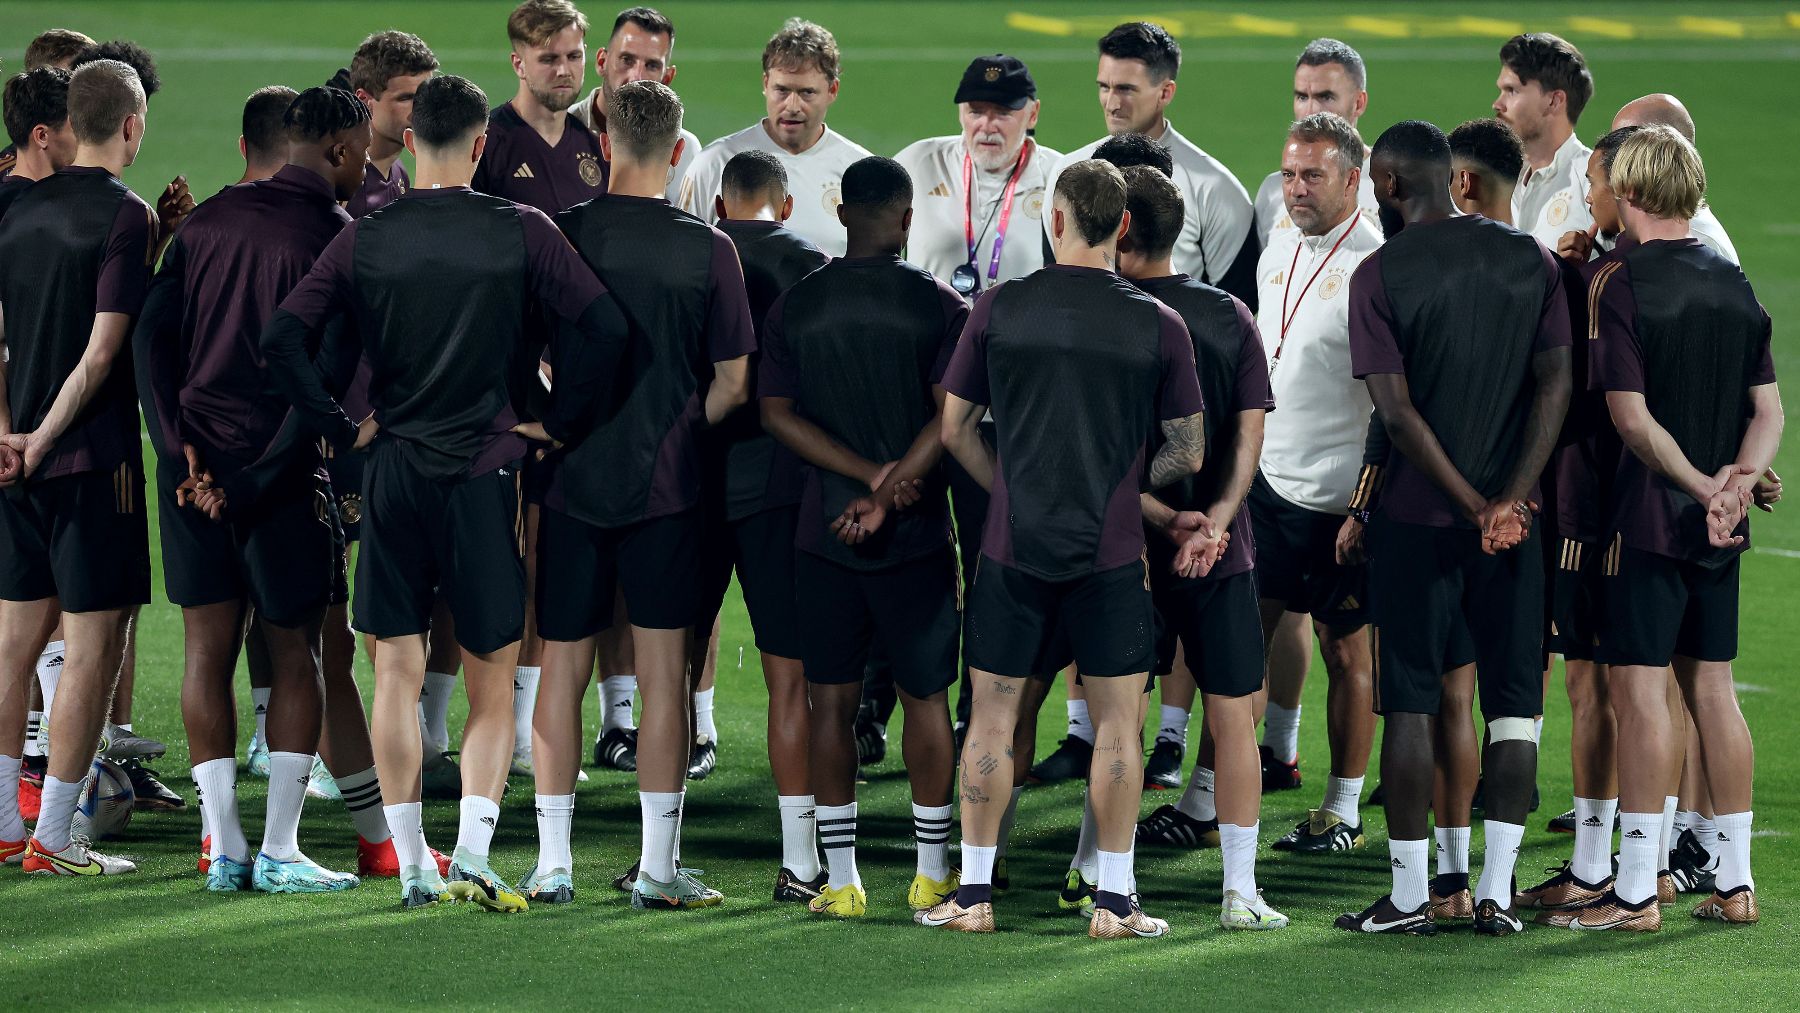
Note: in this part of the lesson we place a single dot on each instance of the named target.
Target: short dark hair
(266, 107)
(56, 46)
(34, 97)
(643, 119)
(1095, 192)
(1322, 52)
(131, 55)
(649, 18)
(101, 94)
(1554, 63)
(1126, 150)
(1490, 144)
(1610, 142)
(877, 184)
(387, 55)
(318, 113)
(1417, 142)
(447, 109)
(754, 173)
(1334, 130)
(1147, 42)
(1156, 210)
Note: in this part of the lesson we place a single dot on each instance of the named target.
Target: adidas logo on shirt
(524, 172)
(941, 190)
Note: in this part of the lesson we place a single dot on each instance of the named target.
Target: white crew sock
(1115, 873)
(480, 815)
(259, 700)
(837, 835)
(931, 835)
(1281, 732)
(1087, 844)
(215, 781)
(49, 673)
(978, 865)
(362, 796)
(434, 711)
(1410, 882)
(1174, 726)
(662, 826)
(34, 734)
(703, 715)
(525, 687)
(1666, 832)
(1452, 850)
(408, 836)
(1198, 800)
(1592, 862)
(1734, 851)
(1006, 820)
(799, 836)
(555, 816)
(288, 775)
(1238, 846)
(1684, 820)
(1343, 795)
(1497, 862)
(616, 692)
(1638, 862)
(12, 826)
(56, 808)
(1707, 830)
(1080, 725)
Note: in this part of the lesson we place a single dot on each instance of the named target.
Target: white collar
(1321, 243)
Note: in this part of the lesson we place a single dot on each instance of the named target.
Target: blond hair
(534, 22)
(1660, 173)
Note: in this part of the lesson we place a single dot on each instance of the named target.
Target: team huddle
(982, 412)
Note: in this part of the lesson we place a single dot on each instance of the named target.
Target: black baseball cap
(1002, 80)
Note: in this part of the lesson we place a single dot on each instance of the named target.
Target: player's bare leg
(1457, 749)
(1115, 790)
(24, 629)
(94, 652)
(1728, 761)
(1231, 723)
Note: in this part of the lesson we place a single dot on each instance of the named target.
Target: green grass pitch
(156, 940)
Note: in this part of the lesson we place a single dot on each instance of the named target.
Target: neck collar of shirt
(872, 259)
(1079, 269)
(86, 170)
(1321, 243)
(1569, 149)
(433, 191)
(748, 224)
(304, 179)
(635, 199)
(1166, 281)
(762, 126)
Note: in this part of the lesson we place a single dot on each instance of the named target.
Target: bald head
(1666, 110)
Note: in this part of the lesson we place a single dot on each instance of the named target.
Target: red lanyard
(1287, 320)
(1006, 203)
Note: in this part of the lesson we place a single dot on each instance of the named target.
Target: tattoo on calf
(1005, 689)
(971, 793)
(1117, 768)
(987, 764)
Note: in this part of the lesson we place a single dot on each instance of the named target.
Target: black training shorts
(81, 538)
(1654, 608)
(581, 566)
(1019, 625)
(910, 610)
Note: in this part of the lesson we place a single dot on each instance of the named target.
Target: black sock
(1117, 903)
(1448, 883)
(971, 894)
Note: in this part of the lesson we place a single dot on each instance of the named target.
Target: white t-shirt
(587, 112)
(939, 243)
(1553, 200)
(1217, 212)
(815, 179)
(1709, 230)
(1271, 206)
(1312, 448)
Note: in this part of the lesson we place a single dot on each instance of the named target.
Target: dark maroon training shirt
(232, 263)
(857, 345)
(438, 286)
(520, 167)
(1459, 307)
(1679, 324)
(681, 289)
(1079, 366)
(1234, 378)
(75, 244)
(1587, 454)
(377, 191)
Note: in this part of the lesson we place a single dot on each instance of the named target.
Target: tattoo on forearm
(1183, 452)
(1004, 689)
(987, 764)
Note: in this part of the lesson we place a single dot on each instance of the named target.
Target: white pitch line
(1770, 550)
